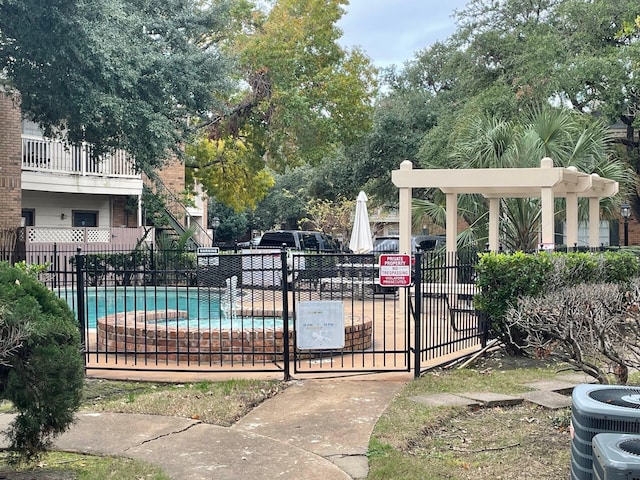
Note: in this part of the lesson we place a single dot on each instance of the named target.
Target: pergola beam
(547, 183)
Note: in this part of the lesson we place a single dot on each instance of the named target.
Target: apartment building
(63, 195)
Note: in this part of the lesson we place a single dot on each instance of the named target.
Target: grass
(218, 403)
(70, 466)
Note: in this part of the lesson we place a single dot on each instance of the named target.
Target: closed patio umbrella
(361, 233)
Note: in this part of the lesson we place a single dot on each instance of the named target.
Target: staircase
(177, 215)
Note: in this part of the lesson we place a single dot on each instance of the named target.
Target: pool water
(202, 307)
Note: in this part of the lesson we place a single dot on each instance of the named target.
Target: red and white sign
(395, 271)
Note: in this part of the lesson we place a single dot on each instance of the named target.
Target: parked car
(391, 243)
(299, 240)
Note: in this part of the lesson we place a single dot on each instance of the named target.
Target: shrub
(593, 327)
(43, 376)
(505, 278)
(620, 267)
(574, 268)
(502, 280)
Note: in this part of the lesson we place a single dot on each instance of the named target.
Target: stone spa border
(151, 334)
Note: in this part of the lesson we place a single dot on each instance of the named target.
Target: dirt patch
(524, 441)
(416, 441)
(500, 360)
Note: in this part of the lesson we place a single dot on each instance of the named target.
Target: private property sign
(395, 271)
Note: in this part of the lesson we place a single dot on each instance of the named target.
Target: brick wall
(129, 332)
(10, 162)
(634, 231)
(172, 175)
(120, 216)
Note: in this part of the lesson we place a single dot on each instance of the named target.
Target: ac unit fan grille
(630, 446)
(628, 397)
(611, 457)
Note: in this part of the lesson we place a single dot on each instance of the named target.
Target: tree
(304, 97)
(232, 174)
(401, 120)
(330, 216)
(574, 53)
(337, 175)
(43, 375)
(115, 73)
(286, 203)
(568, 137)
(234, 226)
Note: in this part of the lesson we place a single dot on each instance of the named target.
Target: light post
(625, 211)
(215, 223)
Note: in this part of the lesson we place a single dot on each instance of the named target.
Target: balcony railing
(86, 235)
(42, 154)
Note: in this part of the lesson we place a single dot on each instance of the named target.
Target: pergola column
(572, 219)
(494, 224)
(594, 222)
(546, 195)
(452, 222)
(547, 205)
(405, 213)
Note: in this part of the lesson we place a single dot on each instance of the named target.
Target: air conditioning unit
(600, 409)
(616, 456)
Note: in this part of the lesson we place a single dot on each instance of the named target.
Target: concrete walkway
(315, 429)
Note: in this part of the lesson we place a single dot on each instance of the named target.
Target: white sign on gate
(208, 256)
(320, 325)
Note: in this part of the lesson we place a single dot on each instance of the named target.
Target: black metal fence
(449, 323)
(267, 311)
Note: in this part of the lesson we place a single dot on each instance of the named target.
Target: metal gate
(345, 321)
(267, 311)
(448, 326)
(431, 322)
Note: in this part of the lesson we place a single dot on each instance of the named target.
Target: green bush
(586, 267)
(574, 268)
(43, 376)
(620, 266)
(504, 278)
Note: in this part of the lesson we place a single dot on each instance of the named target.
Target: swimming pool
(203, 306)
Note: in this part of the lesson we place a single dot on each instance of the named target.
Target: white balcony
(121, 236)
(50, 165)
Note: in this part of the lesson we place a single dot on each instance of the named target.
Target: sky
(391, 31)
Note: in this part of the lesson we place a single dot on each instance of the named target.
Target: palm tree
(568, 137)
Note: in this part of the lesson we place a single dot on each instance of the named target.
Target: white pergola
(547, 182)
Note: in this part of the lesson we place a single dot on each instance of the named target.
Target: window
(29, 216)
(83, 218)
(310, 242)
(276, 239)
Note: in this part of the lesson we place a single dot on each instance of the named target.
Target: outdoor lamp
(625, 211)
(215, 223)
